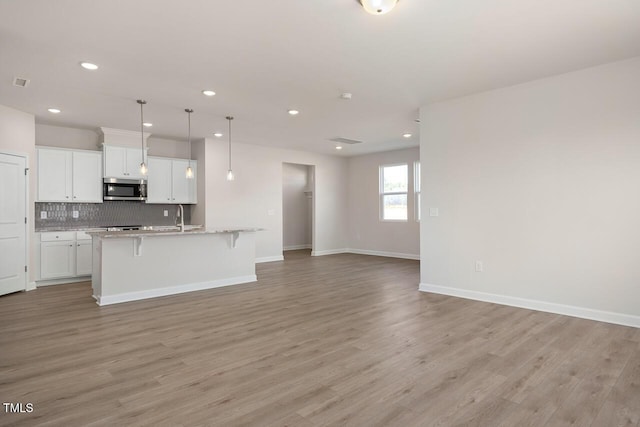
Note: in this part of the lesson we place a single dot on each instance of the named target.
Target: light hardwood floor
(334, 340)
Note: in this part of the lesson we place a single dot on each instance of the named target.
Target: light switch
(166, 212)
(433, 212)
(43, 214)
(479, 266)
(76, 214)
(271, 212)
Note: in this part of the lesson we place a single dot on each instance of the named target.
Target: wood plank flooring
(335, 340)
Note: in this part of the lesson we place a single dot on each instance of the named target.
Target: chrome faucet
(181, 214)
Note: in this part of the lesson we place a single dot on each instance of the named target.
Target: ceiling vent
(346, 141)
(20, 82)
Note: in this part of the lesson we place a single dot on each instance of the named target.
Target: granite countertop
(171, 231)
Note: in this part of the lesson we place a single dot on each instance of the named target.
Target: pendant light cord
(229, 118)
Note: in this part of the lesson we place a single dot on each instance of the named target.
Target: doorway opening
(298, 188)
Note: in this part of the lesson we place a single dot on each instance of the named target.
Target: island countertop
(171, 231)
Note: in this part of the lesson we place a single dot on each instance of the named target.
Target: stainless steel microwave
(124, 189)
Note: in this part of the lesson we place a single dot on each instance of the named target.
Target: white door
(180, 182)
(159, 181)
(133, 160)
(13, 229)
(84, 252)
(57, 259)
(87, 177)
(54, 175)
(114, 162)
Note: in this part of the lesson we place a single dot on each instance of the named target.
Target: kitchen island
(141, 264)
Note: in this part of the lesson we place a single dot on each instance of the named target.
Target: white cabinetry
(69, 176)
(122, 162)
(65, 254)
(167, 181)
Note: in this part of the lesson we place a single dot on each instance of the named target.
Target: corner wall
(540, 182)
(255, 197)
(17, 136)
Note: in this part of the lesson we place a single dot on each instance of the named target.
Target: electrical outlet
(166, 212)
(76, 214)
(434, 212)
(43, 214)
(479, 266)
(271, 212)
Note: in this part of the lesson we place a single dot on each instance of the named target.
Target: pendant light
(143, 165)
(378, 7)
(230, 176)
(189, 172)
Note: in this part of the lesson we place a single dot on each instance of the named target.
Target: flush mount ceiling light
(147, 124)
(230, 176)
(53, 110)
(88, 66)
(217, 135)
(378, 7)
(208, 93)
(143, 165)
(293, 112)
(338, 147)
(406, 135)
(189, 172)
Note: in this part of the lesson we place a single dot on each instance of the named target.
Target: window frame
(382, 193)
(416, 190)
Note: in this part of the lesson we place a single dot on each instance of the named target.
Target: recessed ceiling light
(53, 110)
(294, 112)
(208, 92)
(147, 124)
(217, 135)
(338, 147)
(406, 135)
(88, 66)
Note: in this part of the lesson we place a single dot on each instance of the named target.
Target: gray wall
(541, 182)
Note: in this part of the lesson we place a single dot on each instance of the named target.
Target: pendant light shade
(378, 7)
(189, 172)
(230, 176)
(143, 165)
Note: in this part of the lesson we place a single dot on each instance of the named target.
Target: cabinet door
(114, 161)
(87, 177)
(159, 181)
(83, 257)
(180, 182)
(57, 259)
(54, 175)
(193, 184)
(132, 167)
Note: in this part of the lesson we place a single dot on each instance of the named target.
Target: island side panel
(170, 264)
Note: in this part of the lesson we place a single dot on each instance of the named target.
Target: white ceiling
(263, 58)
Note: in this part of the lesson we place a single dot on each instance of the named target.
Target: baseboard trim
(269, 259)
(172, 290)
(296, 247)
(51, 282)
(384, 254)
(31, 286)
(567, 310)
(329, 252)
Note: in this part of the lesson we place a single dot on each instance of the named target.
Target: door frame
(29, 285)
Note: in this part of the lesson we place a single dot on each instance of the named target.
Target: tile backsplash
(109, 213)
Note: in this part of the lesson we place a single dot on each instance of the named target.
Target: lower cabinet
(65, 254)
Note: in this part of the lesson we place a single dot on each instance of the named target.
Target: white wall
(540, 181)
(255, 197)
(296, 214)
(87, 139)
(17, 136)
(367, 234)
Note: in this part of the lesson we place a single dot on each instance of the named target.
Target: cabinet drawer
(58, 236)
(81, 235)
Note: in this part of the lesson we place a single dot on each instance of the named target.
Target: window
(416, 188)
(394, 186)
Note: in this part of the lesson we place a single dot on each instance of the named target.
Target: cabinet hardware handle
(70, 246)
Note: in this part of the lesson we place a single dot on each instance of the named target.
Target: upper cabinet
(167, 181)
(69, 176)
(122, 162)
